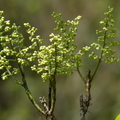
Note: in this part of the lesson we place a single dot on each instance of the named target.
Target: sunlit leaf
(118, 117)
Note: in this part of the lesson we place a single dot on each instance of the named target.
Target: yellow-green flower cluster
(58, 57)
(105, 41)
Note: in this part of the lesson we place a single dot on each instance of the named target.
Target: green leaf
(118, 117)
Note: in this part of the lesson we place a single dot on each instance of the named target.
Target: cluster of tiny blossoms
(7, 39)
(14, 54)
(58, 58)
(105, 41)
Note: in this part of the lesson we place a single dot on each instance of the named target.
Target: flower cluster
(105, 41)
(58, 57)
(14, 52)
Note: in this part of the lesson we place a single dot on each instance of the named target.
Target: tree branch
(85, 103)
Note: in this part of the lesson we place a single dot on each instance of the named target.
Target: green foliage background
(14, 104)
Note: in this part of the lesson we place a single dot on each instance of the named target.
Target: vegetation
(59, 58)
(118, 117)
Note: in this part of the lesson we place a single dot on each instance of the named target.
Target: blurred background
(14, 104)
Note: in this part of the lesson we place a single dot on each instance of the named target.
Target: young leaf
(118, 117)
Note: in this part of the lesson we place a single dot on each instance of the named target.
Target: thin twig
(80, 74)
(24, 84)
(101, 54)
